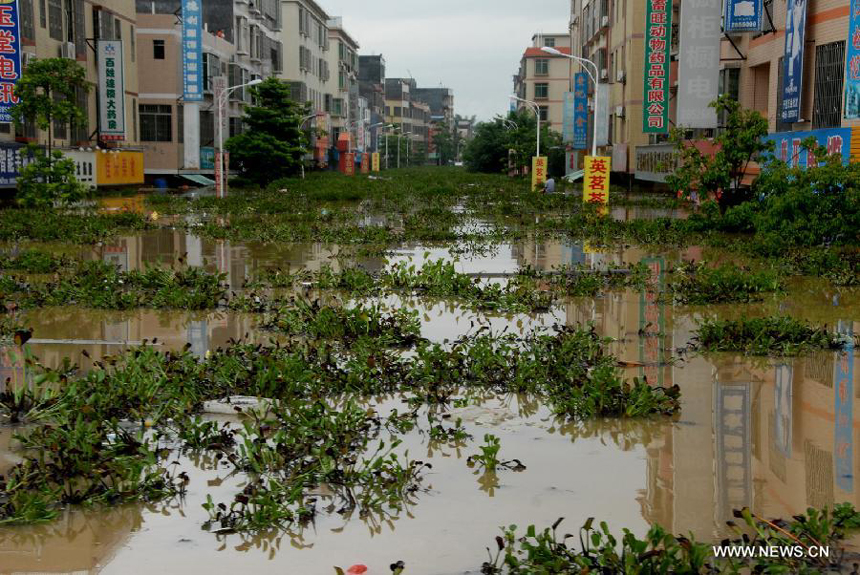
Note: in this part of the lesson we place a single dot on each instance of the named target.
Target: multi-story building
(544, 78)
(371, 86)
(343, 86)
(241, 43)
(441, 102)
(305, 38)
(73, 29)
(162, 110)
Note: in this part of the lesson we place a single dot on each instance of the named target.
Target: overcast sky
(471, 46)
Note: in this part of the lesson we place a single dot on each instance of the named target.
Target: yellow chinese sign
(374, 162)
(118, 168)
(595, 186)
(538, 171)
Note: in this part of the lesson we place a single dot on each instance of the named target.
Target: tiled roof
(539, 53)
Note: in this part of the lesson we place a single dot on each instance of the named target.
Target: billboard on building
(699, 63)
(119, 168)
(192, 50)
(788, 146)
(10, 58)
(11, 163)
(742, 16)
(568, 117)
(852, 64)
(111, 90)
(658, 41)
(792, 76)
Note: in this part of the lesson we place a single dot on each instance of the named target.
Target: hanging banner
(111, 90)
(580, 120)
(601, 115)
(374, 162)
(192, 50)
(741, 16)
(595, 183)
(10, 58)
(658, 41)
(792, 76)
(568, 116)
(699, 63)
(852, 64)
(538, 171)
(844, 410)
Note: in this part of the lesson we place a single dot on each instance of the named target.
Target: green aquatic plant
(33, 261)
(547, 552)
(776, 335)
(700, 284)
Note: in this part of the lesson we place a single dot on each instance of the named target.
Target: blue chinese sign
(192, 50)
(580, 111)
(852, 64)
(10, 58)
(567, 122)
(11, 163)
(742, 16)
(792, 74)
(844, 412)
(207, 158)
(789, 149)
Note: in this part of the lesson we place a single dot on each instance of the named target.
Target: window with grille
(207, 128)
(767, 19)
(829, 70)
(549, 42)
(541, 67)
(544, 113)
(541, 91)
(156, 123)
(28, 26)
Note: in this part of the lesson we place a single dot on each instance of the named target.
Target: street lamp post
(584, 62)
(301, 125)
(223, 96)
(536, 109)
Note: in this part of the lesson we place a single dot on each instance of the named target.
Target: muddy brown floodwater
(775, 435)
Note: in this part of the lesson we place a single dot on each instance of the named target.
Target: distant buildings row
(158, 129)
(795, 61)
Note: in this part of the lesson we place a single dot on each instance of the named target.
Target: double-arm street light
(222, 101)
(585, 63)
(536, 109)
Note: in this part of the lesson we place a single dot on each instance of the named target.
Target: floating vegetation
(33, 261)
(777, 335)
(597, 550)
(700, 284)
(64, 226)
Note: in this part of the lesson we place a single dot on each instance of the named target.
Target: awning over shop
(197, 179)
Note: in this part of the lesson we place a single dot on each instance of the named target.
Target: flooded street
(776, 436)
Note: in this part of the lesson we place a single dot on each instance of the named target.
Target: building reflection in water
(774, 436)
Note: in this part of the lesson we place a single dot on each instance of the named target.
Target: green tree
(738, 142)
(391, 142)
(48, 179)
(444, 140)
(488, 150)
(47, 92)
(274, 145)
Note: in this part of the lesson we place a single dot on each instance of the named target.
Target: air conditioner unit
(67, 50)
(27, 58)
(604, 74)
(621, 76)
(619, 111)
(604, 22)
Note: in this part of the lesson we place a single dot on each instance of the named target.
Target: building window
(158, 49)
(544, 113)
(133, 44)
(207, 128)
(767, 19)
(549, 42)
(43, 14)
(55, 20)
(156, 123)
(542, 67)
(134, 119)
(829, 70)
(541, 91)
